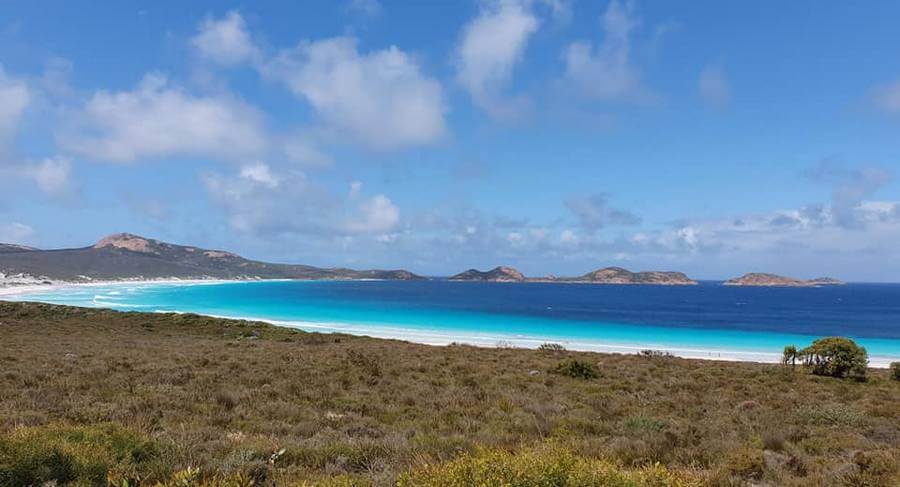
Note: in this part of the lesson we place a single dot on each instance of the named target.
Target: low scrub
(547, 466)
(577, 369)
(84, 455)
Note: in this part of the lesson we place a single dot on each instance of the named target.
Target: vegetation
(895, 370)
(577, 369)
(835, 357)
(93, 396)
(790, 355)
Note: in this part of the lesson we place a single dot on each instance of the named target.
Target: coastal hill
(497, 274)
(618, 275)
(125, 256)
(774, 280)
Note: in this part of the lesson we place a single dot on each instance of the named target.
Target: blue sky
(557, 136)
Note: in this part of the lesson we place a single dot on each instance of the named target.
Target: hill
(774, 280)
(126, 256)
(618, 275)
(497, 274)
(276, 406)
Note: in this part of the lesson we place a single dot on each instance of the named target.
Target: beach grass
(92, 396)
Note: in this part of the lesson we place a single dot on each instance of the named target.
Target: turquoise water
(706, 321)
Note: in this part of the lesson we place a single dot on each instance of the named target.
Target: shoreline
(434, 337)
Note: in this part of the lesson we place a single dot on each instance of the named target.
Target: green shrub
(836, 357)
(895, 370)
(577, 369)
(552, 347)
(547, 466)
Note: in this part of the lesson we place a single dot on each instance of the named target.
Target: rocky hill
(9, 248)
(124, 256)
(774, 280)
(497, 274)
(618, 275)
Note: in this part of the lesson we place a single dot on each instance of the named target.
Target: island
(497, 274)
(125, 256)
(774, 280)
(606, 275)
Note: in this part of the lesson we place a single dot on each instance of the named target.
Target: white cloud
(381, 99)
(15, 97)
(15, 233)
(260, 173)
(225, 41)
(887, 97)
(594, 212)
(260, 201)
(491, 46)
(377, 214)
(52, 175)
(606, 72)
(157, 119)
(714, 87)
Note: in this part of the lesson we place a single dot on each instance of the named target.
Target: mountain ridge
(125, 256)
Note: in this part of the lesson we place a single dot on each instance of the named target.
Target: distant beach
(491, 315)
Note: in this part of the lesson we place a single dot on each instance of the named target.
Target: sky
(554, 136)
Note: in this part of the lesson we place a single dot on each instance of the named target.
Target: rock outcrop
(497, 274)
(773, 280)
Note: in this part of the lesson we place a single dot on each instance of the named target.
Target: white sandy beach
(428, 337)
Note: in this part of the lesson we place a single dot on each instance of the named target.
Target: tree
(895, 370)
(835, 357)
(790, 355)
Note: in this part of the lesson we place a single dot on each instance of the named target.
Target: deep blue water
(706, 320)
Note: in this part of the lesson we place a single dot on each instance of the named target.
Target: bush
(895, 370)
(576, 369)
(551, 347)
(548, 466)
(836, 357)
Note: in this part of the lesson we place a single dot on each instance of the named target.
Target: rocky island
(125, 256)
(497, 274)
(618, 275)
(774, 280)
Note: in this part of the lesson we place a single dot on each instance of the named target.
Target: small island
(497, 274)
(773, 280)
(618, 275)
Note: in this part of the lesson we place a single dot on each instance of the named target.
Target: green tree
(895, 370)
(835, 357)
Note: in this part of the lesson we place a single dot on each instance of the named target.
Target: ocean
(704, 321)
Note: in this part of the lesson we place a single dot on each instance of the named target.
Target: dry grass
(143, 396)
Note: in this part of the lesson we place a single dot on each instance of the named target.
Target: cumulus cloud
(850, 187)
(15, 232)
(158, 120)
(606, 71)
(714, 87)
(52, 175)
(380, 99)
(259, 201)
(259, 172)
(225, 41)
(491, 46)
(594, 212)
(15, 97)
